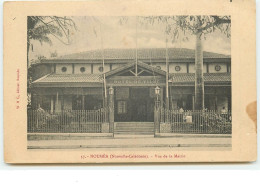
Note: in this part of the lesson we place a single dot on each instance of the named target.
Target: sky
(92, 30)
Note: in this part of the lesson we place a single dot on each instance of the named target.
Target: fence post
(103, 122)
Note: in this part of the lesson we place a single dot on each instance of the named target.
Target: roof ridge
(120, 53)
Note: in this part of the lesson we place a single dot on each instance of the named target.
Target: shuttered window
(121, 107)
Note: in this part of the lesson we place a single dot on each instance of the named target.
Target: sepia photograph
(129, 82)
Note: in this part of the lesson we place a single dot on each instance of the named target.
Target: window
(101, 69)
(63, 69)
(82, 69)
(177, 68)
(217, 67)
(45, 102)
(77, 103)
(121, 107)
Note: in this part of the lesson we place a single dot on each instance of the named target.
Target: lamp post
(157, 111)
(111, 91)
(111, 110)
(157, 93)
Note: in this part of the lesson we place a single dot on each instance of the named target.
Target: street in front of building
(131, 142)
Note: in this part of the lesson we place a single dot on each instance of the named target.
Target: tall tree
(40, 28)
(201, 26)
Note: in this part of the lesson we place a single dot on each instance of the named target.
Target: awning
(69, 80)
(95, 80)
(209, 78)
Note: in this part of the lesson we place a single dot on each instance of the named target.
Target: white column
(52, 104)
(193, 102)
(161, 96)
(57, 102)
(83, 102)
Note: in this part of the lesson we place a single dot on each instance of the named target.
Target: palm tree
(199, 80)
(200, 26)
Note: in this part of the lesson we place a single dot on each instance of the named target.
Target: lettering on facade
(135, 81)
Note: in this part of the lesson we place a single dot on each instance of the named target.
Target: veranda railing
(195, 121)
(66, 121)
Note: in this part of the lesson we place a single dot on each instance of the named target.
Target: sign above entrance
(136, 81)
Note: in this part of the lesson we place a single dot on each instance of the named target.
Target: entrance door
(139, 102)
(135, 106)
(139, 110)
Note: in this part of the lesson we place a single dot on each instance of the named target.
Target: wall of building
(67, 104)
(173, 68)
(162, 66)
(58, 104)
(192, 68)
(96, 68)
(114, 66)
(217, 97)
(60, 66)
(77, 68)
(222, 101)
(213, 66)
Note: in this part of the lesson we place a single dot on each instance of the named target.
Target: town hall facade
(85, 81)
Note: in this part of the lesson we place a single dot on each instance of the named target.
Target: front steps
(134, 128)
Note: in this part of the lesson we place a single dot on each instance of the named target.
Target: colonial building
(84, 80)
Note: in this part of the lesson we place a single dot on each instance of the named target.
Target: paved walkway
(137, 142)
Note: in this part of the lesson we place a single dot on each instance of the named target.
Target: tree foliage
(40, 28)
(174, 26)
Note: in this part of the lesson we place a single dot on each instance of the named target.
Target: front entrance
(133, 104)
(139, 110)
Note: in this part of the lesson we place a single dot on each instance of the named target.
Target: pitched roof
(208, 77)
(142, 53)
(176, 78)
(66, 78)
(143, 65)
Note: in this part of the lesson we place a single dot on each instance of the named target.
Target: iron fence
(66, 121)
(196, 121)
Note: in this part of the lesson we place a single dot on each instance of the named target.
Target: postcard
(130, 81)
